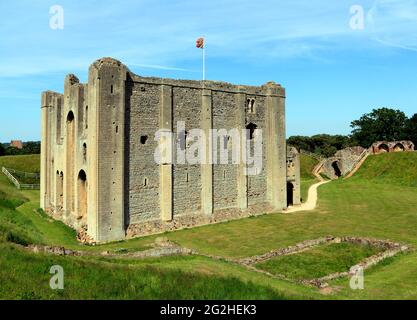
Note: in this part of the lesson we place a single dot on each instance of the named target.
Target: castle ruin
(98, 168)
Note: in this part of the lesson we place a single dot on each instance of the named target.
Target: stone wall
(342, 162)
(391, 146)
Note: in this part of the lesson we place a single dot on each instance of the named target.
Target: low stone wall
(302, 246)
(390, 249)
(162, 248)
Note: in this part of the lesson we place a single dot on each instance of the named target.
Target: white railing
(15, 181)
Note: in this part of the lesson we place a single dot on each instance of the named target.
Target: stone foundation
(192, 220)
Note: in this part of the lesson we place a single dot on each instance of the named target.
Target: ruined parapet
(391, 146)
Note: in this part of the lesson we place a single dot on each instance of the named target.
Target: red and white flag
(200, 43)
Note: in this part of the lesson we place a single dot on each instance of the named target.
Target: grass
(307, 165)
(385, 169)
(319, 261)
(379, 201)
(88, 279)
(27, 163)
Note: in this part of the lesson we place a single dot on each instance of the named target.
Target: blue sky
(332, 73)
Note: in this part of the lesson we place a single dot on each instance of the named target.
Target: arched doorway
(70, 148)
(383, 148)
(82, 194)
(399, 147)
(290, 194)
(336, 168)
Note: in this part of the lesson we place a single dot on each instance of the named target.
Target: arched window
(82, 194)
(70, 172)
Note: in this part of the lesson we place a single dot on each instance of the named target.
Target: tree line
(30, 147)
(378, 125)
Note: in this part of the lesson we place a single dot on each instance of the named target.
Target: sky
(334, 65)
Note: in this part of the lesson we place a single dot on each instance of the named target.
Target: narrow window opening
(251, 127)
(183, 140)
(111, 89)
(143, 139)
(86, 117)
(84, 152)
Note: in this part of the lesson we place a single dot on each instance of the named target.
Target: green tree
(411, 129)
(380, 124)
(2, 150)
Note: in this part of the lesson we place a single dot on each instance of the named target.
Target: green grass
(27, 163)
(373, 203)
(319, 261)
(393, 168)
(89, 279)
(307, 165)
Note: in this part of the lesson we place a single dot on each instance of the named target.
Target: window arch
(82, 194)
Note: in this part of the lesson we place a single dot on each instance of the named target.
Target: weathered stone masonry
(98, 171)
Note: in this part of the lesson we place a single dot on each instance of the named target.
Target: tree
(380, 124)
(411, 129)
(323, 144)
(31, 147)
(2, 150)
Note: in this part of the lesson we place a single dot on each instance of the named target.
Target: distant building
(18, 144)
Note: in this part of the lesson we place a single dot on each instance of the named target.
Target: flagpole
(204, 59)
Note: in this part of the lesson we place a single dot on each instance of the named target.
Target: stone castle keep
(98, 171)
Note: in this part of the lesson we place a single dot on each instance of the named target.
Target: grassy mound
(28, 163)
(318, 262)
(391, 168)
(89, 279)
(307, 165)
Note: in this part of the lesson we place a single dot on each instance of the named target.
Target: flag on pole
(200, 43)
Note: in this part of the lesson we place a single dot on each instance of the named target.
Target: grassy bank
(379, 201)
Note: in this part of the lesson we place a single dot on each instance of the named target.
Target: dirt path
(311, 202)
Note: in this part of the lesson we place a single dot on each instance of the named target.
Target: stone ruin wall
(346, 159)
(391, 146)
